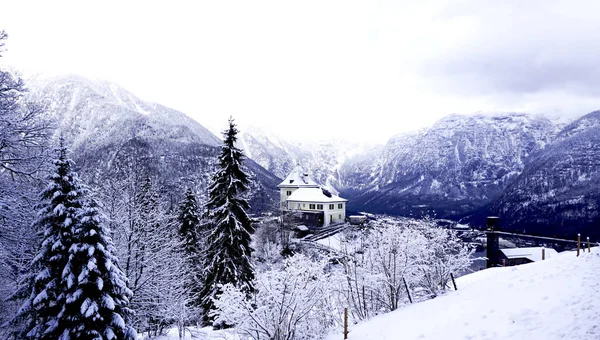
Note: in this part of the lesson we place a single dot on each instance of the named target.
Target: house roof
(317, 195)
(534, 253)
(298, 179)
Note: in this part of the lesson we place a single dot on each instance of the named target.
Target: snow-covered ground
(206, 333)
(554, 299)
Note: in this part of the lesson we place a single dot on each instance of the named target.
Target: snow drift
(554, 299)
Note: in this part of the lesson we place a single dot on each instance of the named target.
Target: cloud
(332, 68)
(519, 47)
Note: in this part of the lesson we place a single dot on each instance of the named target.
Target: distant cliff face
(458, 164)
(114, 134)
(558, 192)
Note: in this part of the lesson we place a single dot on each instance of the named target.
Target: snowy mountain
(114, 134)
(457, 165)
(322, 159)
(558, 191)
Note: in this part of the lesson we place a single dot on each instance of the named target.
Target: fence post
(345, 323)
(578, 243)
(588, 239)
(543, 253)
(453, 282)
(407, 291)
(493, 246)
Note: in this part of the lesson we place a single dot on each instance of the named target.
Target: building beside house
(517, 256)
(316, 206)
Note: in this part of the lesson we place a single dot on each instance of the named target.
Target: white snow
(313, 195)
(558, 298)
(298, 179)
(206, 333)
(534, 254)
(334, 242)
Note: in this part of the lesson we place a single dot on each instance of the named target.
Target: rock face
(114, 134)
(459, 164)
(558, 192)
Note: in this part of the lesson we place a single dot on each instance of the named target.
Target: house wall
(334, 215)
(283, 196)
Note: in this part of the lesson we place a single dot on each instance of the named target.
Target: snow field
(554, 299)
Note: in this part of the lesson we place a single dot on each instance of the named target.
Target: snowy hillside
(114, 134)
(98, 111)
(555, 299)
(558, 190)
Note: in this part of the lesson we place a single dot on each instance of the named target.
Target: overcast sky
(362, 69)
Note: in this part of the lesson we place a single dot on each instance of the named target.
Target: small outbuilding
(517, 256)
(357, 219)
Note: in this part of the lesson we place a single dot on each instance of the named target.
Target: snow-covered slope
(100, 111)
(554, 299)
(558, 191)
(114, 134)
(458, 164)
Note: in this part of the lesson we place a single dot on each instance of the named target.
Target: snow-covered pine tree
(189, 222)
(40, 316)
(227, 257)
(97, 293)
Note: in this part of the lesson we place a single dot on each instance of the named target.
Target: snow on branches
(290, 302)
(395, 259)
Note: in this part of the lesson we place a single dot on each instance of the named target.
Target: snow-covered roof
(534, 253)
(298, 179)
(314, 195)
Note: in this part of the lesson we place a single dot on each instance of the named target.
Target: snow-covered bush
(395, 258)
(376, 274)
(266, 244)
(291, 302)
(445, 254)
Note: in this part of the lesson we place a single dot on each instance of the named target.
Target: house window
(339, 216)
(311, 206)
(320, 206)
(289, 193)
(331, 206)
(303, 205)
(341, 206)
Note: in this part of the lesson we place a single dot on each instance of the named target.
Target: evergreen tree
(189, 222)
(97, 294)
(188, 231)
(74, 289)
(44, 290)
(227, 257)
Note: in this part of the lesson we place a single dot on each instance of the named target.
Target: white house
(299, 193)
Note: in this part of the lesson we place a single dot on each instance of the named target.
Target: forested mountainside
(460, 163)
(117, 137)
(558, 192)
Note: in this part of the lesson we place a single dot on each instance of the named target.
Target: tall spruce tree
(97, 295)
(189, 223)
(227, 257)
(44, 289)
(74, 289)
